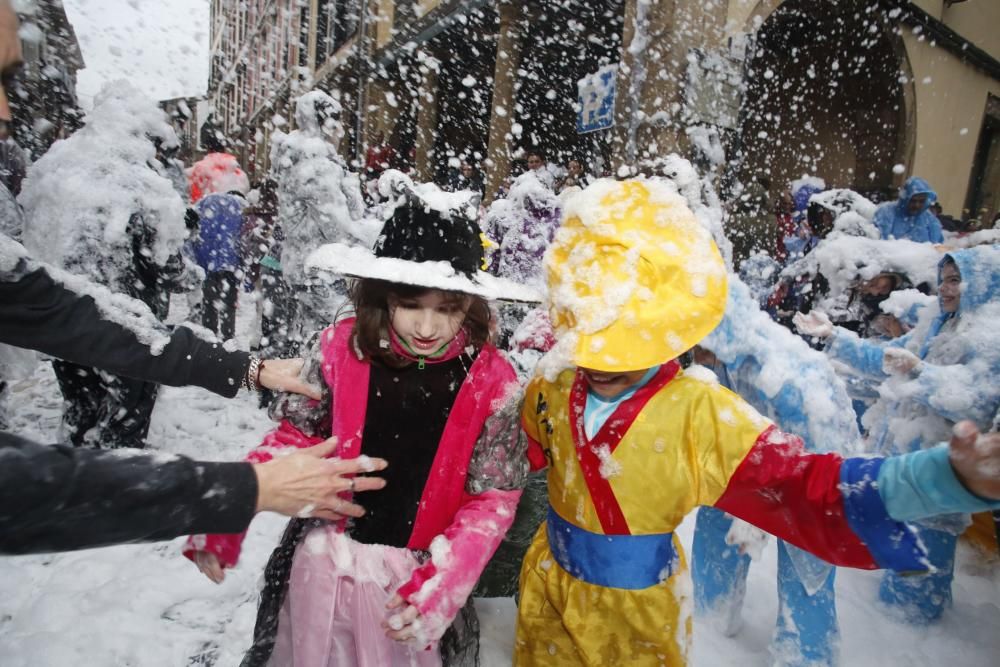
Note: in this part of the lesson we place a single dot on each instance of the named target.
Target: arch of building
(829, 93)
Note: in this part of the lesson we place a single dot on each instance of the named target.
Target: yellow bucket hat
(634, 279)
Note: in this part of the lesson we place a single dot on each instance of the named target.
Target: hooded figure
(319, 202)
(951, 372)
(319, 199)
(910, 217)
(779, 375)
(523, 225)
(108, 216)
(216, 248)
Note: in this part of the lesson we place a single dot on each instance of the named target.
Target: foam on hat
(634, 279)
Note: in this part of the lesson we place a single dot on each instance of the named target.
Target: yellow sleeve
(723, 430)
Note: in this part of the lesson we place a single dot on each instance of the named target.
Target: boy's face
(917, 203)
(610, 384)
(428, 321)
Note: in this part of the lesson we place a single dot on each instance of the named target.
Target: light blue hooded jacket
(784, 379)
(894, 220)
(960, 374)
(781, 376)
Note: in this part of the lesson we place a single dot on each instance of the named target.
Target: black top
(406, 415)
(58, 498)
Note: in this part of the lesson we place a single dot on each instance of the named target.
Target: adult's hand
(975, 458)
(283, 375)
(305, 483)
(816, 323)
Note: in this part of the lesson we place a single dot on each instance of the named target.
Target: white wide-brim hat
(430, 240)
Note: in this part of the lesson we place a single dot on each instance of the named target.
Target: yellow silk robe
(679, 452)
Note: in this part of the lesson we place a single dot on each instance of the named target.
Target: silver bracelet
(251, 380)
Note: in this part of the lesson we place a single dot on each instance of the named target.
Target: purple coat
(523, 226)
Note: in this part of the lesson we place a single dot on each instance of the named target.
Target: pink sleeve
(227, 546)
(440, 587)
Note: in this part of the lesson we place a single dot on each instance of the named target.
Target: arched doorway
(825, 97)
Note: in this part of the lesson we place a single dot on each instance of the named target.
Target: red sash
(609, 512)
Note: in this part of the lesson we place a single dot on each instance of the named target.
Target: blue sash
(614, 561)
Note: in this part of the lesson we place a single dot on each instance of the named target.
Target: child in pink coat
(411, 378)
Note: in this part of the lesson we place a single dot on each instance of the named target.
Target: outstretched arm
(853, 511)
(40, 312)
(58, 498)
(955, 391)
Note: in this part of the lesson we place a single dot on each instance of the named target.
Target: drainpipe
(362, 83)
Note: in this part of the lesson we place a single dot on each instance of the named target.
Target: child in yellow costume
(633, 444)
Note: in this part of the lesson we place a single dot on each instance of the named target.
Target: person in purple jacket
(521, 226)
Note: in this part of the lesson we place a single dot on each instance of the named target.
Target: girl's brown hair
(370, 302)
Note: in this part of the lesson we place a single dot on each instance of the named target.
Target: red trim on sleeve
(795, 495)
(417, 580)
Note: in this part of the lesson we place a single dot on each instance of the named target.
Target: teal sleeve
(922, 484)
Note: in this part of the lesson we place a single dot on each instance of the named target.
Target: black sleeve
(58, 498)
(38, 313)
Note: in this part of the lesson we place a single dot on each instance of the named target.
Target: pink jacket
(465, 529)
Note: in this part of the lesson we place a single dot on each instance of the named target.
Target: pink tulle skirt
(335, 605)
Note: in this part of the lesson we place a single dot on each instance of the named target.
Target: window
(304, 37)
(336, 23)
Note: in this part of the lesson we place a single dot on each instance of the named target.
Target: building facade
(43, 98)
(862, 93)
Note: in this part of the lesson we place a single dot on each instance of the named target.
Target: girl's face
(429, 321)
(950, 289)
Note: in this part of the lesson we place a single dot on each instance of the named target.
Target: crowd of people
(559, 377)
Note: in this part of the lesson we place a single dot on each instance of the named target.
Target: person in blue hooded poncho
(946, 369)
(779, 375)
(910, 216)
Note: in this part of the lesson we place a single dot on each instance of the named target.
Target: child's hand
(210, 566)
(404, 623)
(746, 537)
(975, 458)
(816, 324)
(898, 361)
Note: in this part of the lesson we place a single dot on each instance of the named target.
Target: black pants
(218, 303)
(102, 409)
(277, 315)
